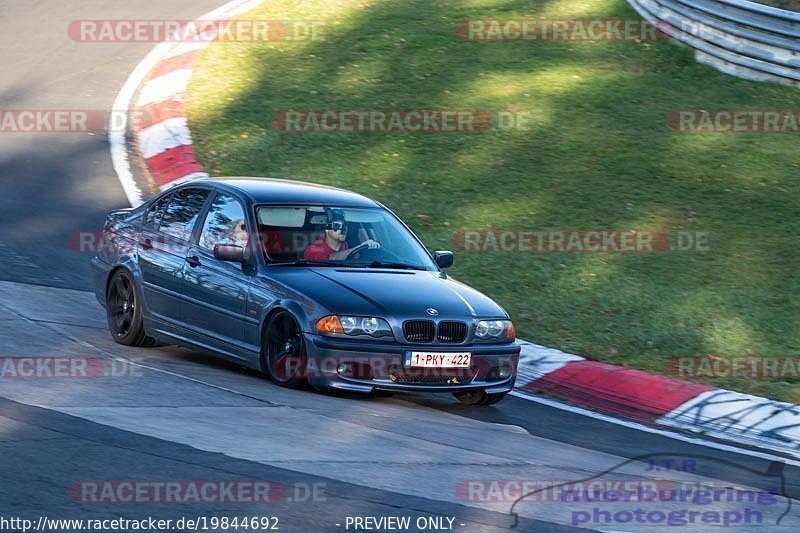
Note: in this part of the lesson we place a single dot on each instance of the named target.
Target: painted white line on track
(116, 133)
(184, 48)
(655, 431)
(516, 393)
(122, 103)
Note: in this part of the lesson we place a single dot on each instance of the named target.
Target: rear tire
(284, 351)
(124, 311)
(478, 397)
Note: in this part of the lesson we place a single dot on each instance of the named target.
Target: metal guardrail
(738, 37)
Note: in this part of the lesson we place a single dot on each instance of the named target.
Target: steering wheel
(367, 255)
(358, 249)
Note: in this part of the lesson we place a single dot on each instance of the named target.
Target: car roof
(279, 191)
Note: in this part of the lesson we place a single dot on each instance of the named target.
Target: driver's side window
(224, 224)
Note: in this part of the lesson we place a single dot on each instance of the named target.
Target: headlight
(354, 325)
(371, 325)
(495, 329)
(349, 324)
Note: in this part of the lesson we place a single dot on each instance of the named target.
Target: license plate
(438, 359)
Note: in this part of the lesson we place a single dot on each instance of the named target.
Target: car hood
(389, 293)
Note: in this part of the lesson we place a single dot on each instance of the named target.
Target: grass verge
(792, 5)
(599, 156)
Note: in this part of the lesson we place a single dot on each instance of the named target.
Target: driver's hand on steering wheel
(346, 254)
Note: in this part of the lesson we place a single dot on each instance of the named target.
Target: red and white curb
(162, 135)
(165, 143)
(659, 400)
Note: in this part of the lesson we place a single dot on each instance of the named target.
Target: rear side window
(225, 223)
(152, 218)
(181, 214)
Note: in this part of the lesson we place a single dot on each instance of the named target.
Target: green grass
(793, 5)
(599, 156)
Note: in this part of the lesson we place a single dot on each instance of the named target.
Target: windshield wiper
(343, 264)
(305, 262)
(389, 264)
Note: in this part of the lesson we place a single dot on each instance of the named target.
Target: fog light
(499, 373)
(355, 369)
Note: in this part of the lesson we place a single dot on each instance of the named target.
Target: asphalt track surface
(168, 414)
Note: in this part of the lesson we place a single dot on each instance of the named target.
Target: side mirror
(443, 258)
(229, 252)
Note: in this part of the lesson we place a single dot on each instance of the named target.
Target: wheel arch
(112, 273)
(278, 307)
(136, 282)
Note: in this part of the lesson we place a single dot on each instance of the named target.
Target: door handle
(193, 261)
(147, 244)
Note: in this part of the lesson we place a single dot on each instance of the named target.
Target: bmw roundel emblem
(431, 311)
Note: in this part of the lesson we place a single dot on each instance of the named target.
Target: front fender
(300, 314)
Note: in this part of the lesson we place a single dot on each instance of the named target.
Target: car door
(162, 246)
(217, 291)
(158, 302)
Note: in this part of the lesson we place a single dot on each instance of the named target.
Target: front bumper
(383, 359)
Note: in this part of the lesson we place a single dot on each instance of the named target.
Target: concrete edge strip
(166, 145)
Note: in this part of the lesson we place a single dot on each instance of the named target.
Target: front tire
(284, 351)
(478, 397)
(124, 311)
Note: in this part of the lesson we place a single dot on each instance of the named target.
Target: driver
(332, 244)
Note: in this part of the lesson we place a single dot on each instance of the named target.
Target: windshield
(339, 236)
